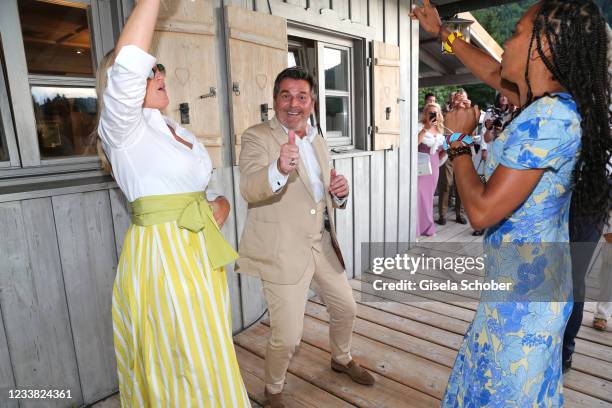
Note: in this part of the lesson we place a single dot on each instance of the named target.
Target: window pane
(56, 39)
(336, 69)
(292, 58)
(65, 119)
(337, 116)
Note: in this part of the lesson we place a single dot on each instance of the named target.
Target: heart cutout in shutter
(182, 75)
(261, 80)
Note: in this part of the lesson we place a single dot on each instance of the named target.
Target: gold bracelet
(448, 44)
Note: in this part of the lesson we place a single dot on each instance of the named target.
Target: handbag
(424, 164)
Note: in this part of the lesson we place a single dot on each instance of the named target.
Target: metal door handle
(211, 94)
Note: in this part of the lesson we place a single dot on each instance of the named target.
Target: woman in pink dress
(430, 140)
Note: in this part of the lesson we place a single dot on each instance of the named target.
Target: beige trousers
(287, 303)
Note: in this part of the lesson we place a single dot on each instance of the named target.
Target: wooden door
(184, 43)
(386, 91)
(256, 52)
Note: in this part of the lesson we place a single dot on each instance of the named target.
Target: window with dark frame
(58, 49)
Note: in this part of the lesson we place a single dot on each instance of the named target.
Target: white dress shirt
(309, 158)
(145, 157)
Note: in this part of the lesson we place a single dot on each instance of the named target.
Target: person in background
(604, 305)
(459, 99)
(448, 105)
(493, 122)
(171, 304)
(430, 139)
(430, 98)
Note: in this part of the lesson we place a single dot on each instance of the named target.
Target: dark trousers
(584, 235)
(446, 185)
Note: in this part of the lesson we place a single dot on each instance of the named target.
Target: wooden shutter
(256, 52)
(386, 91)
(184, 42)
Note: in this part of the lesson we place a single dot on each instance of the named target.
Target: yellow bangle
(447, 46)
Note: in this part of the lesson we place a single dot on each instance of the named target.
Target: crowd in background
(438, 176)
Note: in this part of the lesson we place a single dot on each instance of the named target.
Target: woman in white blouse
(171, 310)
(430, 139)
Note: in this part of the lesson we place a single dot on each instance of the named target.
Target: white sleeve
(276, 179)
(212, 189)
(124, 95)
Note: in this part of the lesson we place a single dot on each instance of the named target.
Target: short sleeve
(541, 143)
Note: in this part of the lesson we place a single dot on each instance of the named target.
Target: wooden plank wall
(60, 252)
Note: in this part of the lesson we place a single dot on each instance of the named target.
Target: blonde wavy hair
(101, 78)
(440, 122)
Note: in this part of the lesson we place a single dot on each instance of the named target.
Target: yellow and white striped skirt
(172, 323)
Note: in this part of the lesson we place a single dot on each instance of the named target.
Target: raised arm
(126, 80)
(140, 26)
(482, 65)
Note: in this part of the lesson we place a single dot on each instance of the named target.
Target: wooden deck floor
(411, 347)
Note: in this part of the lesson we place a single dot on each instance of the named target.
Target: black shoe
(461, 220)
(566, 365)
(441, 221)
(478, 233)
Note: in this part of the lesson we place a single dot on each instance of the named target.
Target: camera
(432, 115)
(496, 116)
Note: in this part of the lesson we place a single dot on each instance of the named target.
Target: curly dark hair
(578, 42)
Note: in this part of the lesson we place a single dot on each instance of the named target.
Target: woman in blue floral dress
(555, 68)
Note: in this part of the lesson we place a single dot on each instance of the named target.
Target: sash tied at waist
(191, 211)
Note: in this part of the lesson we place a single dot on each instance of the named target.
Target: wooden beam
(463, 79)
(428, 59)
(482, 38)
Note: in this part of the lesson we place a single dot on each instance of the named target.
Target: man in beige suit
(289, 239)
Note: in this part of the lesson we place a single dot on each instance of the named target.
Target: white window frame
(26, 160)
(334, 138)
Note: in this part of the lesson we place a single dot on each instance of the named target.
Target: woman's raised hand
(139, 28)
(463, 120)
(428, 17)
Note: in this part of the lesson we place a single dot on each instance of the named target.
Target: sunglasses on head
(157, 68)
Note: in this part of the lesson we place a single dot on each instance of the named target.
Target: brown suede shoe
(600, 324)
(274, 400)
(357, 373)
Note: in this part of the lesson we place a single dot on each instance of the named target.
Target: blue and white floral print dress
(511, 353)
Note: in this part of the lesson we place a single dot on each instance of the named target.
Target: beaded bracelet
(454, 152)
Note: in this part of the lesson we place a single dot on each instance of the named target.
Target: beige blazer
(280, 227)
